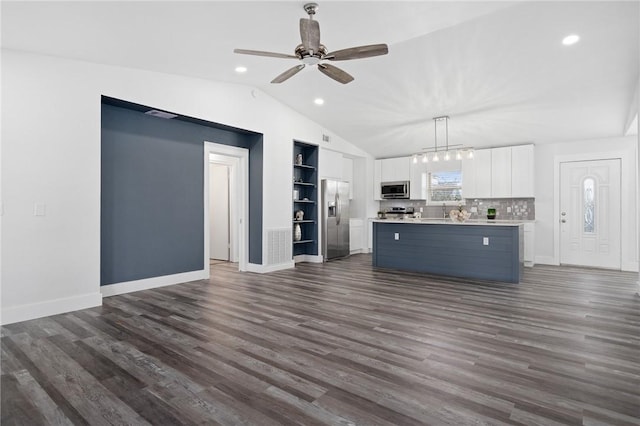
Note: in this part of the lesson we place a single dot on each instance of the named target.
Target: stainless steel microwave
(394, 190)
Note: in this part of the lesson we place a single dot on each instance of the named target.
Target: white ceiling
(498, 69)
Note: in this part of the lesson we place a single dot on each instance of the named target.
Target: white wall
(51, 155)
(546, 173)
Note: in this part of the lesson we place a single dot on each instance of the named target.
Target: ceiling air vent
(161, 114)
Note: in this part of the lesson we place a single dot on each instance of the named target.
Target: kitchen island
(487, 250)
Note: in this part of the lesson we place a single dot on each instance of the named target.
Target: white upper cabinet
(396, 169)
(377, 179)
(418, 183)
(501, 172)
(330, 164)
(482, 178)
(468, 177)
(505, 172)
(522, 171)
(347, 174)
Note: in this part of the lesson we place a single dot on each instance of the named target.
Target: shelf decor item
(297, 232)
(299, 214)
(491, 213)
(299, 160)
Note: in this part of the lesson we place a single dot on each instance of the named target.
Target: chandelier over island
(434, 154)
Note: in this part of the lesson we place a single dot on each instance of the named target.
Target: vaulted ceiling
(498, 69)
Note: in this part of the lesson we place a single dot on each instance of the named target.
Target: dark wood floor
(339, 343)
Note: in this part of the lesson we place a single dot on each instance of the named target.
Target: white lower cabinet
(356, 234)
(529, 244)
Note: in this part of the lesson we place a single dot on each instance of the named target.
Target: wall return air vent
(161, 114)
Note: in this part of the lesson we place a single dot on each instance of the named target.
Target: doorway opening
(590, 213)
(225, 201)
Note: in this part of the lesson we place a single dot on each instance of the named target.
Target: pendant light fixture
(446, 154)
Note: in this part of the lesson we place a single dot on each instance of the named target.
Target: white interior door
(590, 213)
(219, 212)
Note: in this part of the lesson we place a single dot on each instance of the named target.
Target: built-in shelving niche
(305, 197)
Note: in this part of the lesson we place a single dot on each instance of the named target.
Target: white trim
(308, 258)
(50, 307)
(263, 269)
(147, 283)
(568, 158)
(242, 200)
(546, 260)
(629, 266)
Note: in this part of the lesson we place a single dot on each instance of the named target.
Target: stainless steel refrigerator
(335, 219)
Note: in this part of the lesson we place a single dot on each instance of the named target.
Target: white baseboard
(308, 258)
(546, 260)
(358, 251)
(147, 283)
(629, 266)
(263, 269)
(31, 311)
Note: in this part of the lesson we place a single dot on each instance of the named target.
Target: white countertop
(427, 221)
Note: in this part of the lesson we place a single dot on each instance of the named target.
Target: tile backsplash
(521, 208)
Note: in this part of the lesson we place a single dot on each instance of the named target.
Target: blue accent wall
(152, 211)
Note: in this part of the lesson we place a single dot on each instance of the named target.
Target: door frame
(624, 201)
(238, 200)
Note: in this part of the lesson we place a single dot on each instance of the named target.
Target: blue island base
(486, 252)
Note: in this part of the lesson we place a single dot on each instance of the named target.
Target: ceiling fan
(311, 52)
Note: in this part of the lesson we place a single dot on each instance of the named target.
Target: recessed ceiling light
(318, 101)
(571, 39)
(241, 69)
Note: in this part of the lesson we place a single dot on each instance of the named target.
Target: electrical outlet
(421, 210)
(485, 241)
(396, 236)
(474, 209)
(508, 209)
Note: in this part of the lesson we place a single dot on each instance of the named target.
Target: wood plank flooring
(336, 344)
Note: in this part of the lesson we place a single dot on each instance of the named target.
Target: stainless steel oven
(394, 190)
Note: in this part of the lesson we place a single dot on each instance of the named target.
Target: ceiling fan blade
(261, 53)
(357, 52)
(288, 74)
(335, 73)
(310, 34)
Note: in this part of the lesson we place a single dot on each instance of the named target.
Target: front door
(590, 213)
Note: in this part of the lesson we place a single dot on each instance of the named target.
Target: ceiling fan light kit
(459, 149)
(312, 52)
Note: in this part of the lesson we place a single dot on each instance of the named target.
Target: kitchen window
(445, 186)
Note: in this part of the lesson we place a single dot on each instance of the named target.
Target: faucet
(444, 211)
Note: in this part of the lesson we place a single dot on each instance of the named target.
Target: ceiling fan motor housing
(310, 57)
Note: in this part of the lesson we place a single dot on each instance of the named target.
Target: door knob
(563, 221)
(563, 213)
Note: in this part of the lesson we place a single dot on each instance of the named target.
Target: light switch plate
(396, 236)
(39, 209)
(485, 241)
